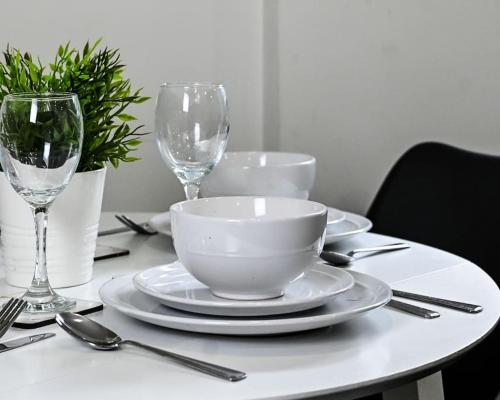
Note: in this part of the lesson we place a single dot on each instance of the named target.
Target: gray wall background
(361, 81)
(353, 82)
(171, 40)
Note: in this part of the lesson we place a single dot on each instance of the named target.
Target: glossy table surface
(382, 348)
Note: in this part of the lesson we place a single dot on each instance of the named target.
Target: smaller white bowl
(261, 174)
(247, 248)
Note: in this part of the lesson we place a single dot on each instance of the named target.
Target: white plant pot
(71, 232)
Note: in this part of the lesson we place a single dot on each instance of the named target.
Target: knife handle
(219, 371)
(410, 308)
(456, 305)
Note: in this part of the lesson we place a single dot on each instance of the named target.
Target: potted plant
(95, 75)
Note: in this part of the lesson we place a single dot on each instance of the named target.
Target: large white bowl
(261, 174)
(247, 248)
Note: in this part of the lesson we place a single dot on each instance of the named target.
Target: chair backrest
(449, 198)
(445, 197)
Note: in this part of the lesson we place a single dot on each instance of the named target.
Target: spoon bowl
(336, 258)
(341, 259)
(88, 331)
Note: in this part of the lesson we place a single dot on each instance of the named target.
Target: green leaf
(23, 78)
(33, 72)
(86, 49)
(126, 117)
(141, 100)
(133, 142)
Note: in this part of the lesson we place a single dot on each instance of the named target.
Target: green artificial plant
(95, 75)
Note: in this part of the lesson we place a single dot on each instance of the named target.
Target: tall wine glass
(192, 125)
(40, 146)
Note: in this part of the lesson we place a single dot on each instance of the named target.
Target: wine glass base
(54, 304)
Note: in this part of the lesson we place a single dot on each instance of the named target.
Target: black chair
(449, 198)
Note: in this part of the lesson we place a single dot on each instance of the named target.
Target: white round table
(379, 351)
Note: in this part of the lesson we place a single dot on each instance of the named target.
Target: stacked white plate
(169, 296)
(341, 225)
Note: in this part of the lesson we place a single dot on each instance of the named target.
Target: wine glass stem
(40, 286)
(192, 189)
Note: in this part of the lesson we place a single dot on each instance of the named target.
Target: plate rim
(250, 322)
(342, 216)
(364, 226)
(316, 265)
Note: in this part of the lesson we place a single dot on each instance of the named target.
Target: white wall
(353, 82)
(172, 40)
(360, 81)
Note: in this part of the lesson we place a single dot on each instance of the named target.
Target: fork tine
(12, 308)
(20, 309)
(139, 227)
(5, 307)
(9, 311)
(119, 218)
(132, 223)
(125, 222)
(11, 316)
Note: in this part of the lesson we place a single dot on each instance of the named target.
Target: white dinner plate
(172, 285)
(352, 225)
(367, 293)
(161, 222)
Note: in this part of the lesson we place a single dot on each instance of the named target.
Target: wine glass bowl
(191, 125)
(40, 145)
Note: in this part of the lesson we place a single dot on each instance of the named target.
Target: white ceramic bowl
(261, 174)
(247, 248)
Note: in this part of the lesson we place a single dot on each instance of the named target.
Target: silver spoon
(101, 338)
(344, 259)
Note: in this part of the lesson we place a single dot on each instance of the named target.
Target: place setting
(250, 244)
(248, 254)
(266, 280)
(249, 200)
(248, 264)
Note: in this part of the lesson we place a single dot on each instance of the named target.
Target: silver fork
(143, 229)
(10, 312)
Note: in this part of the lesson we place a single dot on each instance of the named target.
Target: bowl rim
(322, 211)
(310, 160)
(198, 84)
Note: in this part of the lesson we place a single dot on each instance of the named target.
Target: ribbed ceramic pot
(73, 221)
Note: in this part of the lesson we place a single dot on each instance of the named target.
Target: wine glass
(192, 125)
(40, 145)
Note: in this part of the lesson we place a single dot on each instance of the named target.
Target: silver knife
(410, 308)
(456, 305)
(20, 342)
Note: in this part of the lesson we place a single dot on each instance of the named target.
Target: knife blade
(20, 342)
